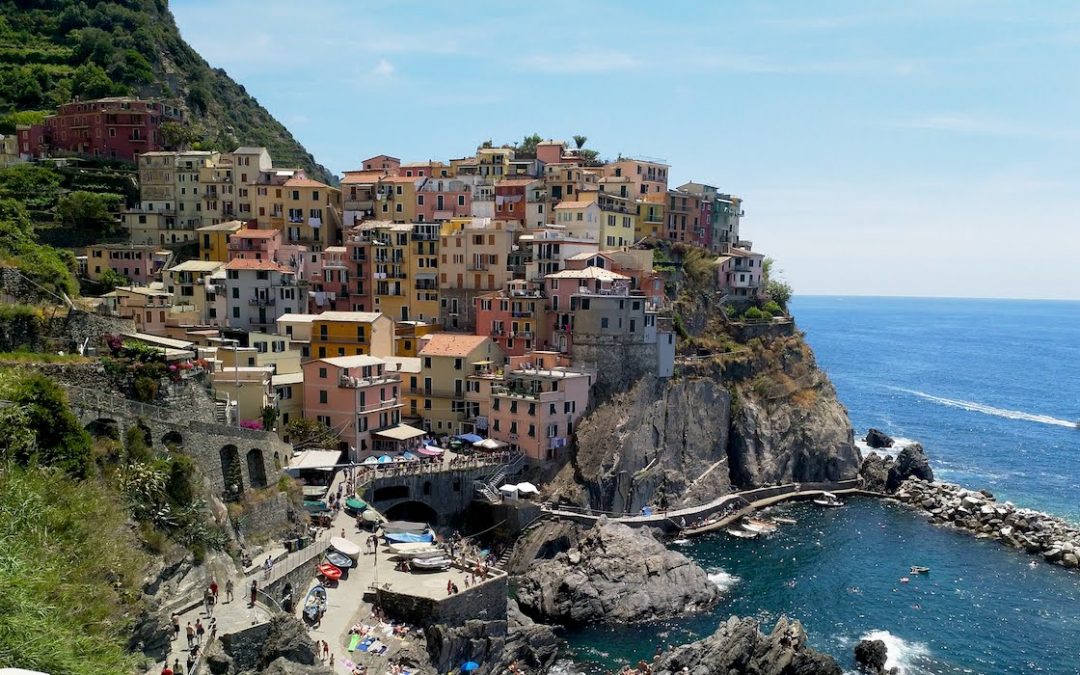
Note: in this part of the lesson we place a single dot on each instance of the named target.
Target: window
(322, 396)
(604, 322)
(322, 373)
(458, 364)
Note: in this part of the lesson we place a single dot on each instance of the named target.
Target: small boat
(741, 534)
(915, 569)
(399, 526)
(339, 560)
(680, 542)
(784, 521)
(431, 564)
(345, 547)
(758, 525)
(412, 550)
(355, 505)
(828, 499)
(329, 571)
(409, 538)
(315, 603)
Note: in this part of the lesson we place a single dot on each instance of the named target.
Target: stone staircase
(487, 489)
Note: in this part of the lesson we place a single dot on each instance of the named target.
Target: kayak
(329, 571)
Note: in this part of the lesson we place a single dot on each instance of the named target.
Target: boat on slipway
(315, 603)
(828, 499)
(432, 564)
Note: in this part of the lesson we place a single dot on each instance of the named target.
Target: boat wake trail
(989, 410)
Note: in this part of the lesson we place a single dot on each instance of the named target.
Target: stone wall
(447, 493)
(744, 332)
(617, 365)
(265, 518)
(486, 601)
(80, 327)
(295, 582)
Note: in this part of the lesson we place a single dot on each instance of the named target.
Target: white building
(260, 291)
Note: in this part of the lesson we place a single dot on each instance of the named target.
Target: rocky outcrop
(871, 655)
(495, 645)
(885, 474)
(738, 646)
(614, 573)
(764, 416)
(282, 646)
(878, 439)
(977, 512)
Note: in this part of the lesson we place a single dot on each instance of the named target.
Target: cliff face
(760, 416)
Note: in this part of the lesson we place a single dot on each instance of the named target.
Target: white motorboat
(415, 550)
(828, 499)
(431, 564)
(758, 525)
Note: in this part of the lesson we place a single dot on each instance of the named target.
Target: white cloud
(579, 62)
(383, 69)
(976, 125)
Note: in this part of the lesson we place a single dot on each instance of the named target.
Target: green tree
(91, 81)
(527, 147)
(308, 433)
(779, 291)
(90, 211)
(51, 269)
(269, 417)
(58, 438)
(35, 185)
(110, 280)
(580, 141)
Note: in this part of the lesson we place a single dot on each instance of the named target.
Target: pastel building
(355, 396)
(440, 199)
(740, 272)
(648, 177)
(139, 264)
(358, 189)
(514, 318)
(195, 292)
(147, 307)
(214, 240)
(579, 219)
(260, 291)
(511, 197)
(328, 279)
(473, 260)
(358, 260)
(538, 404)
(335, 333)
(448, 359)
(549, 249)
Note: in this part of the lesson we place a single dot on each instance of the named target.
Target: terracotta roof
(357, 177)
(356, 317)
(572, 205)
(227, 226)
(401, 179)
(304, 182)
(243, 264)
(515, 181)
(250, 233)
(451, 344)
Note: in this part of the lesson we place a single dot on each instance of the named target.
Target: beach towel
(353, 642)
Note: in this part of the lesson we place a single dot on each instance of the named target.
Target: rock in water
(878, 439)
(874, 472)
(738, 646)
(911, 462)
(622, 575)
(871, 656)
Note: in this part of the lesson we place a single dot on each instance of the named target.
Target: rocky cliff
(738, 647)
(609, 572)
(760, 414)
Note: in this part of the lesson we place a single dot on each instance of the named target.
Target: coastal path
(730, 507)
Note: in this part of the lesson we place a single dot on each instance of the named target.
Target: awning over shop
(401, 432)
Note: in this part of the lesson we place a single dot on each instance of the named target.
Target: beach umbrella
(408, 456)
(385, 459)
(489, 444)
(470, 438)
(469, 666)
(371, 460)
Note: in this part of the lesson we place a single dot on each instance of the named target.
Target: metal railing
(294, 560)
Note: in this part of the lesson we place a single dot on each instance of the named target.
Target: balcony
(262, 302)
(348, 382)
(516, 392)
(521, 314)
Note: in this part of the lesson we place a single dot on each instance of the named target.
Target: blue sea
(991, 388)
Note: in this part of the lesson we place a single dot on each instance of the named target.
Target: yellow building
(306, 212)
(494, 163)
(350, 334)
(408, 334)
(214, 240)
(618, 211)
(395, 198)
(195, 299)
(447, 362)
(404, 269)
(650, 219)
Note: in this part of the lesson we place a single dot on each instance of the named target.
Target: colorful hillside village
(418, 301)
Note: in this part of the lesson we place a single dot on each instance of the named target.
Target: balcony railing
(262, 302)
(349, 382)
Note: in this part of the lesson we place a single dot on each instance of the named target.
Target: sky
(917, 148)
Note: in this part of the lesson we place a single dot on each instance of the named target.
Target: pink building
(328, 277)
(441, 199)
(358, 259)
(514, 318)
(739, 273)
(249, 244)
(356, 396)
(538, 405)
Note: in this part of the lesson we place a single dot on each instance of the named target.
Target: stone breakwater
(977, 512)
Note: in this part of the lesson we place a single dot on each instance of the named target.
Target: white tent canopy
(314, 460)
(527, 488)
(489, 444)
(509, 491)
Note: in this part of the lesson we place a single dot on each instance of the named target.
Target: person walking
(214, 589)
(190, 635)
(325, 650)
(208, 600)
(200, 631)
(228, 590)
(166, 670)
(176, 667)
(254, 591)
(175, 626)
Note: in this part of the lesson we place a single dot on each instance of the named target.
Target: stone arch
(172, 439)
(104, 427)
(414, 511)
(256, 467)
(232, 474)
(390, 492)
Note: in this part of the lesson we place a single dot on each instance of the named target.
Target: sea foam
(723, 580)
(902, 654)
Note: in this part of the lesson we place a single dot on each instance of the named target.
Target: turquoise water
(989, 387)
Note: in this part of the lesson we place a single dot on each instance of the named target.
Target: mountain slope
(52, 50)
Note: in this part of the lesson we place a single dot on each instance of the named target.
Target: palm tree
(580, 141)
